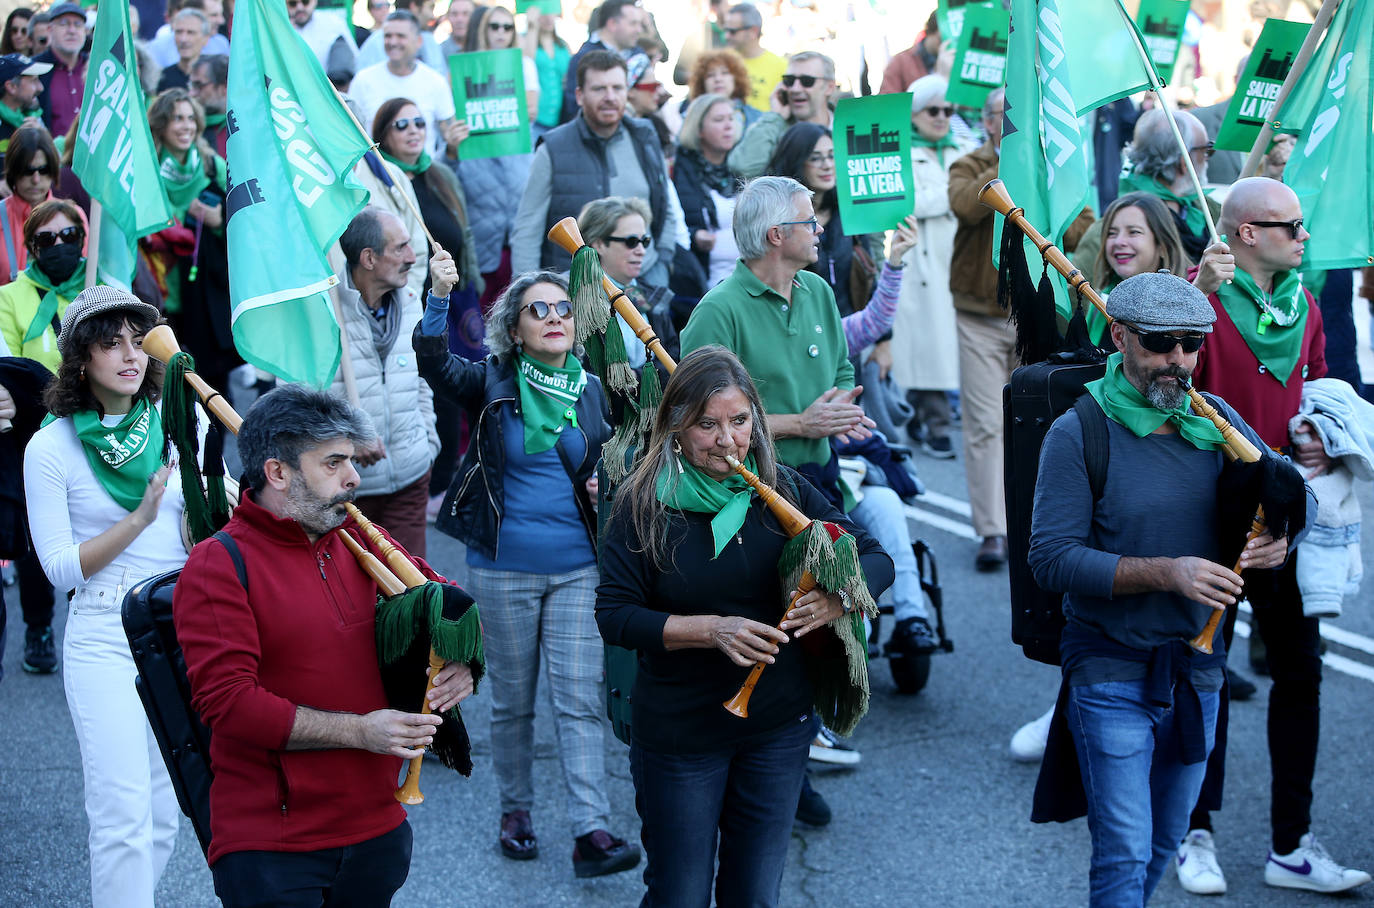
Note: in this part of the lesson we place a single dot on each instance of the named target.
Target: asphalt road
(936, 813)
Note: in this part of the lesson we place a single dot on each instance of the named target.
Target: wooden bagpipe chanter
(421, 624)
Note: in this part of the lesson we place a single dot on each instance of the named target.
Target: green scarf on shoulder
(47, 306)
(1273, 325)
(124, 456)
(685, 488)
(938, 145)
(11, 117)
(184, 182)
(419, 166)
(548, 399)
(1192, 214)
(1122, 402)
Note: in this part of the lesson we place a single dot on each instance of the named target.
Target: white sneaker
(1028, 744)
(1198, 872)
(828, 748)
(1310, 867)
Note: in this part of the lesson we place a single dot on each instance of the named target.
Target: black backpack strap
(1095, 442)
(234, 555)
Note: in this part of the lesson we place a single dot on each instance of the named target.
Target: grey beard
(1165, 397)
(315, 514)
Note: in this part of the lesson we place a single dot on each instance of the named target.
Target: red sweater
(1229, 369)
(304, 635)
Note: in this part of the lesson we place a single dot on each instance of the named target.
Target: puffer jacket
(491, 185)
(474, 503)
(390, 390)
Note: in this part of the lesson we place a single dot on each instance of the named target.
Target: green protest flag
(489, 92)
(1334, 103)
(552, 7)
(1270, 60)
(1103, 47)
(1161, 24)
(980, 61)
(114, 155)
(292, 147)
(1043, 164)
(949, 16)
(873, 162)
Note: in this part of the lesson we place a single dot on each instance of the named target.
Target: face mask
(60, 261)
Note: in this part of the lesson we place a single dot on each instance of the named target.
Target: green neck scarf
(1097, 322)
(938, 145)
(184, 182)
(1193, 217)
(47, 306)
(1122, 402)
(548, 399)
(11, 117)
(1273, 324)
(686, 488)
(215, 120)
(124, 456)
(419, 166)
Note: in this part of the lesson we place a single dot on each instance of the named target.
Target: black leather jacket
(475, 502)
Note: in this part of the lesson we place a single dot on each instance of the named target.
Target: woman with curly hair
(722, 72)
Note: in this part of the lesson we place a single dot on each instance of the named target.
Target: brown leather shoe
(992, 554)
(518, 841)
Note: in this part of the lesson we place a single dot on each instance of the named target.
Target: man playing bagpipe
(280, 633)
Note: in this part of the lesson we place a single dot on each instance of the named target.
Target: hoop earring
(677, 454)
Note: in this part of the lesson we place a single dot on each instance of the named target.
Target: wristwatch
(845, 602)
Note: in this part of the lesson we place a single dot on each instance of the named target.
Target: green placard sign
(552, 7)
(980, 63)
(1270, 60)
(873, 162)
(489, 92)
(1161, 24)
(949, 15)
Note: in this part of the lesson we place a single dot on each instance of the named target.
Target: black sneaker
(40, 653)
(811, 807)
(1242, 688)
(598, 853)
(939, 448)
(914, 637)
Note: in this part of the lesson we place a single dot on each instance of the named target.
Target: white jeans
(130, 804)
(882, 515)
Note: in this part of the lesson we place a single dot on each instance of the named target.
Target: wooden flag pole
(1271, 123)
(93, 245)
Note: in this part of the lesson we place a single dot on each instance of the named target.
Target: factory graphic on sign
(491, 105)
(875, 165)
(1263, 90)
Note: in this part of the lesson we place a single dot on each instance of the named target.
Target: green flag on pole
(292, 147)
(114, 156)
(1103, 60)
(1332, 167)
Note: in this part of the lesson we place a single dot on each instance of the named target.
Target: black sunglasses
(789, 80)
(631, 242)
(500, 26)
(1293, 226)
(405, 123)
(48, 239)
(1163, 342)
(948, 111)
(738, 28)
(540, 309)
(34, 171)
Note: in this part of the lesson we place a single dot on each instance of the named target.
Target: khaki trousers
(987, 356)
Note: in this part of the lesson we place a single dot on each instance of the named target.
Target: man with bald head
(1267, 342)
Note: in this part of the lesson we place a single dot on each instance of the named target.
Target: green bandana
(47, 306)
(184, 182)
(11, 117)
(1192, 214)
(1122, 402)
(688, 489)
(123, 457)
(548, 399)
(1273, 325)
(1097, 322)
(419, 166)
(939, 145)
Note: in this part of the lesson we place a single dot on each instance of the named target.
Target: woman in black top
(689, 578)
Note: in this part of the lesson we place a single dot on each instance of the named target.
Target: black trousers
(1293, 645)
(35, 592)
(365, 875)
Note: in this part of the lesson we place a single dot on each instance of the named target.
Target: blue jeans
(746, 795)
(1138, 799)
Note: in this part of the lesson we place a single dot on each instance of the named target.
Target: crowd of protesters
(715, 209)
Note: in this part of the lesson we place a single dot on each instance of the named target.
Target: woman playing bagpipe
(695, 571)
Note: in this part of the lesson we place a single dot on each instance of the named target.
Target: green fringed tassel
(591, 309)
(615, 453)
(618, 375)
(840, 695)
(179, 425)
(455, 637)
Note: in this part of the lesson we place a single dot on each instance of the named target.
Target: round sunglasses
(540, 309)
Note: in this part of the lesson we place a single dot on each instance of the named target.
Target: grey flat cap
(93, 301)
(1161, 301)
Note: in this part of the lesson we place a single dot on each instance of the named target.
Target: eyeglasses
(540, 309)
(1293, 226)
(35, 171)
(1209, 149)
(199, 86)
(292, 4)
(821, 158)
(1163, 342)
(946, 112)
(500, 26)
(814, 224)
(737, 28)
(806, 81)
(49, 238)
(405, 123)
(632, 242)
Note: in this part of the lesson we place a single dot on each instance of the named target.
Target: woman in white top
(105, 514)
